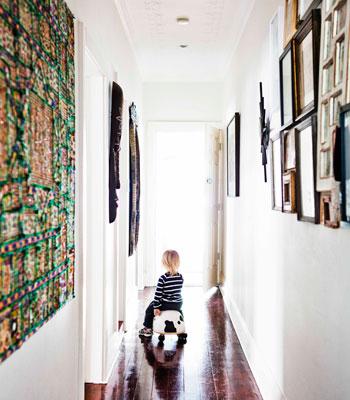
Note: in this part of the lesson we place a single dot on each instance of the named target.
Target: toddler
(168, 292)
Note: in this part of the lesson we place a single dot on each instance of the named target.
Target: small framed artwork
(305, 6)
(339, 18)
(327, 41)
(288, 189)
(327, 78)
(330, 209)
(276, 172)
(287, 87)
(307, 52)
(345, 162)
(339, 61)
(233, 156)
(308, 204)
(288, 150)
(290, 20)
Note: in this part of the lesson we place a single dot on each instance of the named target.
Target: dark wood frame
(273, 197)
(345, 157)
(311, 121)
(237, 121)
(311, 7)
(311, 24)
(289, 48)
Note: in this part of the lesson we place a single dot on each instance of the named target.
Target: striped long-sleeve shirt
(168, 289)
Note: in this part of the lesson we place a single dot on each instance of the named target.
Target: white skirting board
(269, 388)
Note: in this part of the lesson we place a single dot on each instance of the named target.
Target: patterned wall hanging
(114, 149)
(134, 201)
(36, 166)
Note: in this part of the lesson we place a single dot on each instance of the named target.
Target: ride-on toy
(170, 322)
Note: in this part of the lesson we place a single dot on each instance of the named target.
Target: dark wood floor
(211, 365)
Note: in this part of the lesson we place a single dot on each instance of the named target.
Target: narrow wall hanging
(233, 138)
(264, 131)
(114, 149)
(37, 154)
(134, 200)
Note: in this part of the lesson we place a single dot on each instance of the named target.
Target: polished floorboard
(211, 365)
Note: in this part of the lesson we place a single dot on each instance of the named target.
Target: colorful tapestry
(114, 149)
(36, 166)
(134, 200)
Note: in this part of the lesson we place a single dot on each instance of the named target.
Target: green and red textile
(37, 157)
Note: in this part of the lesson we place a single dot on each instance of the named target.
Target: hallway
(211, 365)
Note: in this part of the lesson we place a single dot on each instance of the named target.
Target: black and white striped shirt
(168, 289)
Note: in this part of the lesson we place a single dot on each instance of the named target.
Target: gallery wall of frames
(310, 149)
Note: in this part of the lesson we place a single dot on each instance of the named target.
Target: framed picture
(290, 20)
(305, 6)
(233, 156)
(308, 204)
(276, 172)
(334, 89)
(288, 150)
(288, 189)
(330, 209)
(287, 87)
(345, 162)
(339, 61)
(307, 52)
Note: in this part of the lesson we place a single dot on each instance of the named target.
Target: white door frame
(150, 230)
(111, 338)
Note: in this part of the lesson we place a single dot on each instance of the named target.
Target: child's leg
(149, 315)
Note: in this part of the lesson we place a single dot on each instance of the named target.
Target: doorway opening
(183, 193)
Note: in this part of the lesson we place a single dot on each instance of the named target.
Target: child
(168, 292)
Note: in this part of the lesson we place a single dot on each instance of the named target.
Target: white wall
(47, 366)
(287, 282)
(182, 101)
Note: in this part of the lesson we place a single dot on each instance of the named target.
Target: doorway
(182, 193)
(104, 275)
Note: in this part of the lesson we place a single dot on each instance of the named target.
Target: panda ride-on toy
(170, 322)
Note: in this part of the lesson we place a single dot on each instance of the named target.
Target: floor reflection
(211, 365)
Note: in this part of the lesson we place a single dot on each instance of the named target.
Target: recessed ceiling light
(183, 46)
(183, 20)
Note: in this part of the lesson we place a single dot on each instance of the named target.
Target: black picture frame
(345, 162)
(233, 136)
(288, 52)
(300, 176)
(311, 25)
(276, 139)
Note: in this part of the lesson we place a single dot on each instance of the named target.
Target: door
(183, 194)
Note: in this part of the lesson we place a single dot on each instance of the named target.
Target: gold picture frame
(290, 20)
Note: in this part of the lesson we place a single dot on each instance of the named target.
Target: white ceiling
(214, 30)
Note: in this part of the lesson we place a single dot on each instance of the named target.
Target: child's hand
(156, 312)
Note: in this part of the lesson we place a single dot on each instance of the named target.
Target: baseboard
(264, 378)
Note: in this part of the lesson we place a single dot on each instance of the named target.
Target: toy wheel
(161, 338)
(182, 338)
